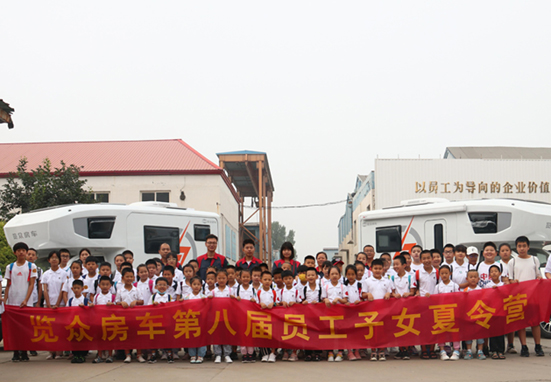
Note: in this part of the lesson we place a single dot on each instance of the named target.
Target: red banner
(194, 323)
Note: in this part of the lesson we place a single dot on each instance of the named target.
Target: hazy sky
(322, 87)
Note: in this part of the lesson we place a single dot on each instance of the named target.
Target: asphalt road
(514, 368)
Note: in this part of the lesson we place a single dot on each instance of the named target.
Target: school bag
(30, 270)
(260, 291)
(409, 279)
(319, 293)
(155, 294)
(513, 260)
(150, 282)
(85, 301)
(418, 277)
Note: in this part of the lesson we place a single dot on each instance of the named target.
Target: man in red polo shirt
(249, 261)
(211, 258)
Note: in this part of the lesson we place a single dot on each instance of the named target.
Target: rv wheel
(546, 329)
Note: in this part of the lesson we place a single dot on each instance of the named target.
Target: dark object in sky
(5, 114)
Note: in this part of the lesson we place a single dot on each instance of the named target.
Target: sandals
(494, 355)
(501, 355)
(425, 355)
(433, 355)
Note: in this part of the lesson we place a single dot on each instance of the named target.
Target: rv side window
(439, 237)
(201, 232)
(100, 227)
(155, 236)
(483, 222)
(389, 239)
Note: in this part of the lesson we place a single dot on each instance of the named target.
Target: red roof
(113, 158)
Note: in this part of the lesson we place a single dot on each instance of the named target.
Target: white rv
(432, 223)
(109, 229)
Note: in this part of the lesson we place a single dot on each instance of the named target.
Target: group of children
(87, 282)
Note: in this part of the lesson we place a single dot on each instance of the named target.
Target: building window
(100, 197)
(154, 196)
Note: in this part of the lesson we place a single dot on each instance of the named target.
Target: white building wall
(459, 179)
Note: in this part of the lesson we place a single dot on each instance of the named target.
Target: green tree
(280, 235)
(43, 187)
(6, 254)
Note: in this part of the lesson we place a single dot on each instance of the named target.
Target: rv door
(435, 234)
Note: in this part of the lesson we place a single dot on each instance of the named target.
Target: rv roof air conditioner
(417, 202)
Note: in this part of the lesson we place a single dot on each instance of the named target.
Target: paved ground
(514, 368)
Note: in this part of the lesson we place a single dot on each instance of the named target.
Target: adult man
(370, 252)
(164, 250)
(249, 261)
(211, 258)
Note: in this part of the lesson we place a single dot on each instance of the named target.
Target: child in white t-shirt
(473, 280)
(446, 285)
(221, 291)
(104, 297)
(32, 256)
(75, 273)
(333, 293)
(266, 296)
(188, 274)
(246, 292)
(377, 287)
(354, 296)
(21, 276)
(288, 296)
(404, 286)
(497, 343)
(128, 296)
(78, 299)
(196, 354)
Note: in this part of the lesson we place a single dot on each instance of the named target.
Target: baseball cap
(472, 250)
(337, 261)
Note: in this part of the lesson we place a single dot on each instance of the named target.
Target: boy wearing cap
(472, 257)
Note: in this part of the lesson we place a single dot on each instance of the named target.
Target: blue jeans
(197, 352)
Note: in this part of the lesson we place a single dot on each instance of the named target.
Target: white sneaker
(338, 358)
(175, 356)
(128, 359)
(455, 356)
(163, 357)
(444, 356)
(218, 359)
(265, 358)
(228, 359)
(272, 357)
(330, 357)
(141, 359)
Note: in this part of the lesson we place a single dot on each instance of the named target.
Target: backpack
(153, 298)
(418, 278)
(85, 301)
(273, 292)
(96, 298)
(319, 293)
(112, 282)
(409, 279)
(30, 270)
(150, 282)
(513, 275)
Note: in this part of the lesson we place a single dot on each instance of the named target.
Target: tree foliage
(43, 187)
(280, 235)
(6, 254)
